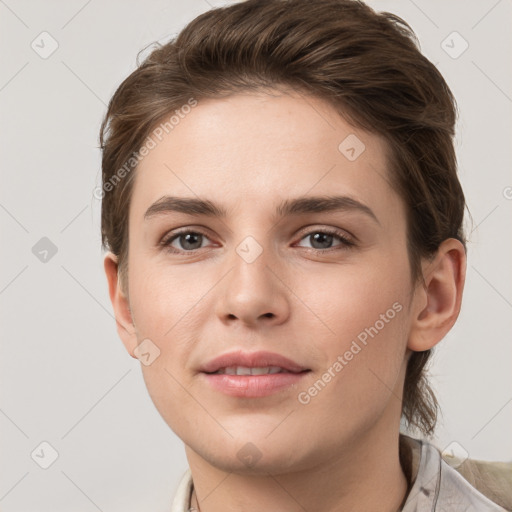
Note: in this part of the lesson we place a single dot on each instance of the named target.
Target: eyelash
(346, 243)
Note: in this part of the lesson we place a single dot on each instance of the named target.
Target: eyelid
(314, 228)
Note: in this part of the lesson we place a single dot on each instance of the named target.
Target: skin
(247, 153)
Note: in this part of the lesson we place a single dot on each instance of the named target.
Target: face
(324, 284)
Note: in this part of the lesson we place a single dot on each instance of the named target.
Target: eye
(187, 240)
(322, 240)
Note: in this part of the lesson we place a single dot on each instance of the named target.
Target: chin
(263, 464)
(252, 455)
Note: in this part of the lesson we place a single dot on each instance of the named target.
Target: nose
(253, 292)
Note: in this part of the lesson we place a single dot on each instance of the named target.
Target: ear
(437, 302)
(125, 326)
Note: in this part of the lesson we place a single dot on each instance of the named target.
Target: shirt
(437, 487)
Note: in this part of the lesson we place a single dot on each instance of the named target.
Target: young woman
(284, 225)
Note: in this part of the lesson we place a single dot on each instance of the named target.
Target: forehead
(258, 148)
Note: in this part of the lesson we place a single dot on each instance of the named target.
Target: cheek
(350, 299)
(165, 306)
(164, 298)
(365, 324)
(360, 378)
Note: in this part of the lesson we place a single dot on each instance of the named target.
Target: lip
(251, 360)
(252, 386)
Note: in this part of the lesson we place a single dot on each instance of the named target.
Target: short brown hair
(367, 65)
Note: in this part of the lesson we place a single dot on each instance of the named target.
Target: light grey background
(65, 376)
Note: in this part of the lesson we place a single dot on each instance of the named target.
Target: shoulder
(440, 487)
(493, 479)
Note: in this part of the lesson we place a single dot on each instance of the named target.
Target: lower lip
(253, 386)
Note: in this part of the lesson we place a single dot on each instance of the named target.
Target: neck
(366, 476)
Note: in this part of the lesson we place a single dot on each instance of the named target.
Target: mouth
(252, 375)
(245, 370)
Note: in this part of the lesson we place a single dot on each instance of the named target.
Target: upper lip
(259, 359)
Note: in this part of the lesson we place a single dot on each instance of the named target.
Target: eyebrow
(289, 207)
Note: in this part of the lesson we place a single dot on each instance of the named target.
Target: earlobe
(437, 302)
(120, 304)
